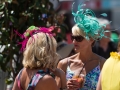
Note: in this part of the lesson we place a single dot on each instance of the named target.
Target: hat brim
(65, 51)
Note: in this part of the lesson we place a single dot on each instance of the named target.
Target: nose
(74, 41)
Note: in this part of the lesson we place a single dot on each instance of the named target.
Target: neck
(85, 56)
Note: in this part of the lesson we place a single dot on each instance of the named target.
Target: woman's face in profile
(81, 45)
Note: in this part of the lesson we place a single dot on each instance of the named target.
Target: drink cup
(79, 78)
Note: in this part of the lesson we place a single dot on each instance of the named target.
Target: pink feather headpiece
(30, 32)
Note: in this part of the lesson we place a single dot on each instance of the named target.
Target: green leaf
(1, 58)
(2, 6)
(3, 67)
(25, 14)
(7, 81)
(14, 20)
(9, 1)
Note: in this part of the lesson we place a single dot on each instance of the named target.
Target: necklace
(84, 66)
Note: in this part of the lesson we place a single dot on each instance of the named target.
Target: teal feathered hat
(88, 23)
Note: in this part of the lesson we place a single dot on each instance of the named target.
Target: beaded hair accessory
(30, 32)
(88, 23)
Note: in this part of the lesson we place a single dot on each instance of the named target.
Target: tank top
(33, 82)
(91, 78)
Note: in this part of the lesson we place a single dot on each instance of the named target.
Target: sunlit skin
(84, 54)
(84, 61)
(80, 46)
(79, 79)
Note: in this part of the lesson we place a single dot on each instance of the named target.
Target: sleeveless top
(33, 82)
(110, 79)
(90, 80)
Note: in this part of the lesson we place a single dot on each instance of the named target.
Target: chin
(76, 50)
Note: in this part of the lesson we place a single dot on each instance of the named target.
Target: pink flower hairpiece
(30, 32)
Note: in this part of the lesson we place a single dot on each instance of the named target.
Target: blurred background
(110, 7)
(20, 14)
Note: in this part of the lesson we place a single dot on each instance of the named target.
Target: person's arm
(61, 73)
(99, 84)
(63, 65)
(60, 78)
(72, 84)
(46, 83)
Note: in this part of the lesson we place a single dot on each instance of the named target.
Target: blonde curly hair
(77, 31)
(40, 52)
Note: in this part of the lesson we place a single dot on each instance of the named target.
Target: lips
(76, 46)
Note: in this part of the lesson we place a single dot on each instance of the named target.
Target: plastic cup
(80, 79)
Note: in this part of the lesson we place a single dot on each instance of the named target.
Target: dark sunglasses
(77, 38)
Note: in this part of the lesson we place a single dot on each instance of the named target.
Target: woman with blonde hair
(82, 69)
(39, 60)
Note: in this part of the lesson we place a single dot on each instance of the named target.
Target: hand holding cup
(80, 79)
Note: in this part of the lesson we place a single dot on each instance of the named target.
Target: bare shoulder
(63, 64)
(15, 85)
(101, 61)
(48, 81)
(60, 78)
(65, 61)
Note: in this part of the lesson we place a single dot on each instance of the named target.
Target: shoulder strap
(101, 62)
(18, 79)
(68, 63)
(84, 66)
(35, 79)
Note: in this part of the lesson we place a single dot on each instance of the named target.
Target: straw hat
(64, 49)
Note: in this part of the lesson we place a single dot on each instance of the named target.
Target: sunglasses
(77, 38)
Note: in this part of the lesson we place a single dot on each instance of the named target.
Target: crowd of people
(81, 65)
